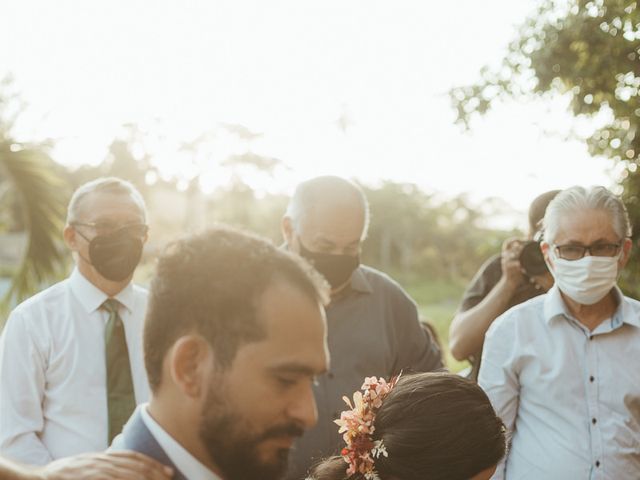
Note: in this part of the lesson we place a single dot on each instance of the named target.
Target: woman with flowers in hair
(428, 426)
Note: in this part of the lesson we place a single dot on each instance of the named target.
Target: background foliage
(590, 52)
(587, 51)
(432, 245)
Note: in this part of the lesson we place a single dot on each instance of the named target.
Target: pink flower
(356, 425)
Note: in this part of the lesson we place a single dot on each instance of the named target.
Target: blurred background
(453, 116)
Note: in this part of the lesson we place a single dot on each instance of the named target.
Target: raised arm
(485, 299)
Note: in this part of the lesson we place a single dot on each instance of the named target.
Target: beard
(234, 447)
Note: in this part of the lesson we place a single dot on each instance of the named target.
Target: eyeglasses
(138, 230)
(576, 252)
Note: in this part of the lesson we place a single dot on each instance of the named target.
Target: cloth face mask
(586, 280)
(336, 269)
(115, 256)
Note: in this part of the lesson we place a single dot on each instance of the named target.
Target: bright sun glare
(357, 89)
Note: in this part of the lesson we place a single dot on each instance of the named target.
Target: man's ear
(70, 237)
(546, 253)
(626, 252)
(190, 364)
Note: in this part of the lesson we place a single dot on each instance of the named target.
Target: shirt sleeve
(498, 376)
(416, 349)
(22, 376)
(482, 283)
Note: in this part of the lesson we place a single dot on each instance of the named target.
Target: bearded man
(234, 337)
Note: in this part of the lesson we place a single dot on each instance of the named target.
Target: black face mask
(336, 269)
(115, 256)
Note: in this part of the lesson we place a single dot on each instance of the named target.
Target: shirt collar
(554, 307)
(181, 458)
(626, 311)
(359, 281)
(91, 297)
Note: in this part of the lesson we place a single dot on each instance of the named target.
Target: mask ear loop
(539, 237)
(88, 241)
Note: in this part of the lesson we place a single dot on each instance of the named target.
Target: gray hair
(580, 198)
(316, 190)
(113, 185)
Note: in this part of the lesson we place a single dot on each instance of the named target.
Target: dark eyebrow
(328, 242)
(296, 368)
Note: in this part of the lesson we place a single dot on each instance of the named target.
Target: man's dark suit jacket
(137, 437)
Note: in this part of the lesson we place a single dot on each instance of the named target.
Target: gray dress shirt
(373, 330)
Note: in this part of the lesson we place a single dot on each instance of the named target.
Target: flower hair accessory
(357, 427)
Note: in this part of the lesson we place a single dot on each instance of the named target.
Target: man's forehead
(284, 310)
(331, 208)
(103, 205)
(587, 226)
(346, 222)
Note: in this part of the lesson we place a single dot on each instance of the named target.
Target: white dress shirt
(569, 396)
(53, 395)
(190, 467)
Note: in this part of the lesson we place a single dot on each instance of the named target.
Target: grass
(437, 302)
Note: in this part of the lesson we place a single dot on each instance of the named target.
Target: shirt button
(597, 463)
(594, 421)
(592, 378)
(590, 337)
(330, 376)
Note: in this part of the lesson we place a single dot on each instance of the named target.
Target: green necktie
(121, 400)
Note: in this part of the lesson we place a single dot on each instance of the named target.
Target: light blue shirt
(569, 397)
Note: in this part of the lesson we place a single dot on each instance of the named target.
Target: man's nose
(303, 408)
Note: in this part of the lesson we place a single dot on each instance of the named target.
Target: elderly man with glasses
(71, 365)
(560, 368)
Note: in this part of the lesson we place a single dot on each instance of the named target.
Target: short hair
(312, 192)
(537, 209)
(438, 426)
(211, 283)
(113, 185)
(580, 198)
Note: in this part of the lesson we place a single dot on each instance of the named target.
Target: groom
(234, 336)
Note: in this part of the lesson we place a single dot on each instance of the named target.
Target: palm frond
(42, 195)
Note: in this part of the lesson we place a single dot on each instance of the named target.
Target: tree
(32, 198)
(589, 51)
(414, 233)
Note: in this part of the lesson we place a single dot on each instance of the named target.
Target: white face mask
(586, 280)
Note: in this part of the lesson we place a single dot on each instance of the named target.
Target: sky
(352, 88)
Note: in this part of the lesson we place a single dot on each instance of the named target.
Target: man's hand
(512, 273)
(106, 466)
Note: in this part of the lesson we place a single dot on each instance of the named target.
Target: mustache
(288, 430)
